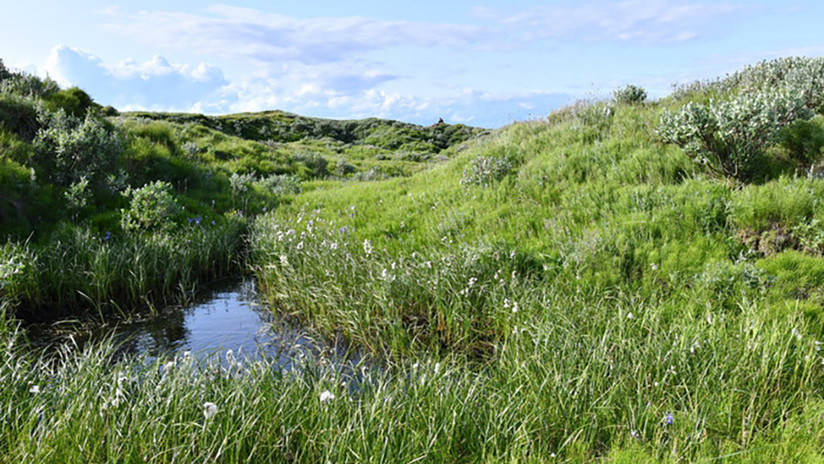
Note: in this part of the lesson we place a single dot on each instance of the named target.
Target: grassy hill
(622, 281)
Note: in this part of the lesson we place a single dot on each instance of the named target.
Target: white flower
(209, 410)
(367, 247)
(327, 396)
(630, 316)
(437, 367)
(416, 365)
(35, 389)
(654, 266)
(797, 334)
(514, 306)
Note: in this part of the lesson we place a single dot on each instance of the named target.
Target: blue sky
(474, 62)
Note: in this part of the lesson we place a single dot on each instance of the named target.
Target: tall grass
(602, 292)
(79, 269)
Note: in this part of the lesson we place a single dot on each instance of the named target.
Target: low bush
(727, 137)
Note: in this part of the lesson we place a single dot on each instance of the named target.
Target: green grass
(560, 290)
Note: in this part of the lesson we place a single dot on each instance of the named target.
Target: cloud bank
(349, 67)
(154, 84)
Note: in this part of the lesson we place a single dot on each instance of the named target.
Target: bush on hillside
(727, 137)
(19, 116)
(70, 149)
(485, 170)
(804, 141)
(152, 207)
(630, 95)
(73, 101)
(27, 85)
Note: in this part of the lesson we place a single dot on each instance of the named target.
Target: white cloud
(154, 84)
(248, 33)
(641, 21)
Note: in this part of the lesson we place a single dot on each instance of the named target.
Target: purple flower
(668, 418)
(107, 235)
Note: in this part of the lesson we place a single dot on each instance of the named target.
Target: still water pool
(228, 318)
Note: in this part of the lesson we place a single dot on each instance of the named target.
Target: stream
(227, 318)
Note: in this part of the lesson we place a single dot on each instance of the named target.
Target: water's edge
(227, 318)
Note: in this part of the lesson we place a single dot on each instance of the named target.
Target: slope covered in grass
(614, 294)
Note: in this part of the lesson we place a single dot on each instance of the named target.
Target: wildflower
(107, 236)
(367, 247)
(630, 316)
(168, 366)
(796, 334)
(416, 365)
(327, 396)
(654, 266)
(300, 245)
(333, 245)
(633, 433)
(209, 410)
(34, 390)
(668, 419)
(437, 367)
(514, 306)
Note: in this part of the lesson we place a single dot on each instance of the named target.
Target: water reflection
(229, 318)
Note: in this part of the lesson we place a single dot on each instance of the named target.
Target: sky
(467, 61)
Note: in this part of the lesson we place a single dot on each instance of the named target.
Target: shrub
(316, 163)
(804, 140)
(77, 196)
(630, 95)
(727, 137)
(344, 167)
(27, 85)
(484, 170)
(281, 184)
(69, 150)
(73, 101)
(240, 183)
(18, 115)
(152, 207)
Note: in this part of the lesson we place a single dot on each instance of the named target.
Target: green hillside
(622, 281)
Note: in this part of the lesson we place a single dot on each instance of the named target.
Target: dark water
(228, 318)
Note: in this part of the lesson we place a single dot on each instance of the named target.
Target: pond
(227, 318)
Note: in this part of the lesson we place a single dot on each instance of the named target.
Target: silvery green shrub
(152, 207)
(241, 182)
(484, 170)
(281, 184)
(71, 149)
(728, 136)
